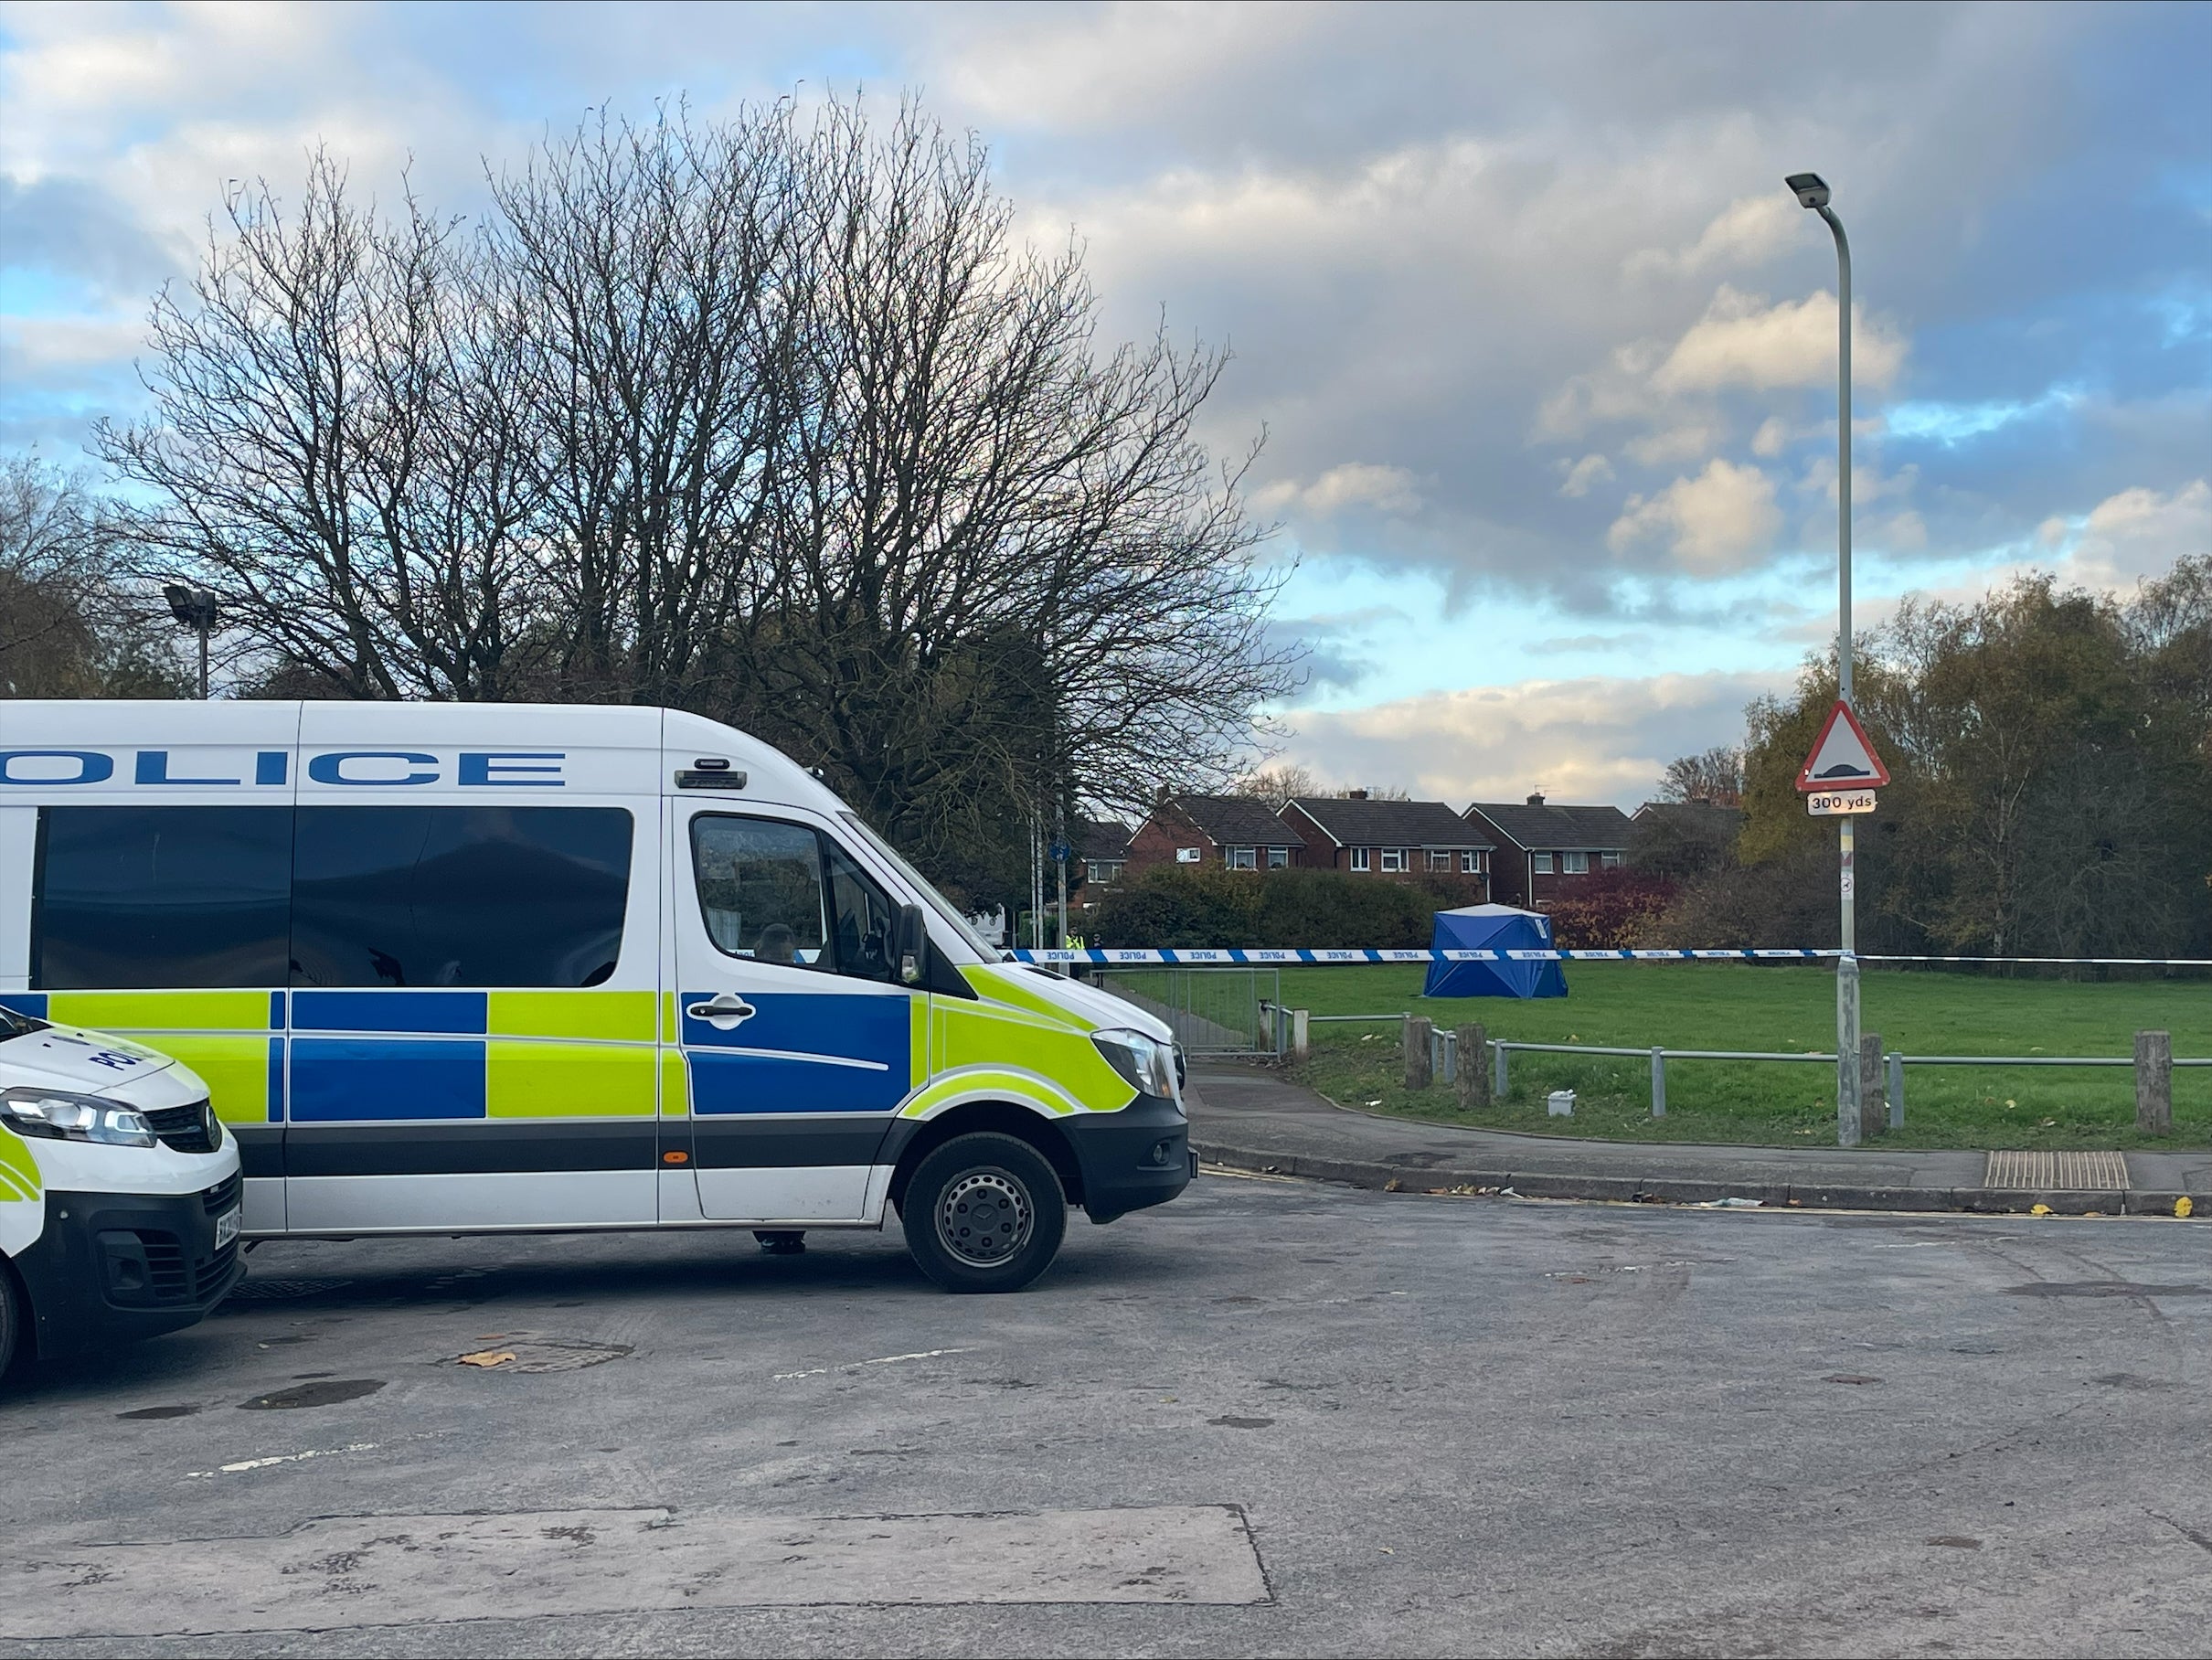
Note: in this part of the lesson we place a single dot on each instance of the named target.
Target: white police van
(460, 967)
(119, 1192)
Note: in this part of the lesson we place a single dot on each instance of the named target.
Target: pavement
(1251, 1117)
(1271, 1418)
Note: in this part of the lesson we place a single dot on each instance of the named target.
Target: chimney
(1535, 798)
(1356, 796)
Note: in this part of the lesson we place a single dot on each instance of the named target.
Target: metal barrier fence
(1224, 1012)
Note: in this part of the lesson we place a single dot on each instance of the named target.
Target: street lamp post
(194, 608)
(1812, 192)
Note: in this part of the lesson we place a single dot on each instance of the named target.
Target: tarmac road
(1271, 1418)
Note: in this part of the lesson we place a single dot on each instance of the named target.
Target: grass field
(1723, 1006)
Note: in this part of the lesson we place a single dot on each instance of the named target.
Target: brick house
(1235, 831)
(1396, 839)
(1544, 849)
(1101, 848)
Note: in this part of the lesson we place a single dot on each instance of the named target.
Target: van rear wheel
(984, 1212)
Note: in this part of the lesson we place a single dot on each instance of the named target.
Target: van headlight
(58, 1115)
(1146, 1063)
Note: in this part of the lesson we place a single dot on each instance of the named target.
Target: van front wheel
(984, 1212)
(13, 1311)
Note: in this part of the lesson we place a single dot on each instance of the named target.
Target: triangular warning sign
(1842, 759)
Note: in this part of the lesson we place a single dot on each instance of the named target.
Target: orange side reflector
(676, 1158)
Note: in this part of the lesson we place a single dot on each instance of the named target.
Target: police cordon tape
(1264, 956)
(1258, 956)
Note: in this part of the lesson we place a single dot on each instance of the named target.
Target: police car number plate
(225, 1228)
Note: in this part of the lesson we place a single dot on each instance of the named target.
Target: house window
(1611, 860)
(1540, 863)
(1359, 858)
(1470, 862)
(1278, 858)
(1105, 871)
(1242, 858)
(1394, 858)
(1439, 859)
(1574, 863)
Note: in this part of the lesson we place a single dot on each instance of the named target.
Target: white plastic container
(1560, 1104)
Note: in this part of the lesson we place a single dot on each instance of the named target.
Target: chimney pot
(1535, 798)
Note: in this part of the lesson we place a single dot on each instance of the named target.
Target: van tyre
(13, 1312)
(984, 1212)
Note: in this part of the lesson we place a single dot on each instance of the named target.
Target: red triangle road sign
(1842, 759)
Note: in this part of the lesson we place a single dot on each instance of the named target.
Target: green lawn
(1723, 1006)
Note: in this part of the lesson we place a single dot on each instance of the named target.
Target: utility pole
(1812, 192)
(194, 608)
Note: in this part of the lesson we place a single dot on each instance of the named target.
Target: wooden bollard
(1302, 1041)
(2155, 1083)
(1474, 1068)
(1418, 1070)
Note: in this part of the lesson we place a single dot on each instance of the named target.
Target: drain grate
(2057, 1172)
(280, 1290)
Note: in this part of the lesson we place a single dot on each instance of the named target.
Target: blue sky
(1543, 351)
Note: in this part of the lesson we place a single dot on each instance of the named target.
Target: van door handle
(724, 1014)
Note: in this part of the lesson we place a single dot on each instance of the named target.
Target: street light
(194, 608)
(1812, 192)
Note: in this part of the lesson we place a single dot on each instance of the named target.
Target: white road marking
(286, 1458)
(853, 1365)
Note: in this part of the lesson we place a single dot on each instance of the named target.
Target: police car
(119, 1192)
(453, 968)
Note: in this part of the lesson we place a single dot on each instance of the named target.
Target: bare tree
(67, 624)
(333, 447)
(1276, 784)
(1713, 777)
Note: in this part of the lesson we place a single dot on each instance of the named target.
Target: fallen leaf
(1394, 1186)
(488, 1357)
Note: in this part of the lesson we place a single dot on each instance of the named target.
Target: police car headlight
(58, 1115)
(1146, 1063)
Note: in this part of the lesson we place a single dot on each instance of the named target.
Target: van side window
(459, 896)
(760, 886)
(150, 898)
(780, 893)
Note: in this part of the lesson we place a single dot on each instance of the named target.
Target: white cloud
(1584, 475)
(1350, 485)
(1749, 231)
(1724, 519)
(2134, 534)
(1743, 341)
(1596, 739)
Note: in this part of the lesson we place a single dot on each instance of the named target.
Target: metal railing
(1221, 1011)
(1444, 1059)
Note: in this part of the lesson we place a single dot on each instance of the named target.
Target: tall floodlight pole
(1812, 191)
(194, 608)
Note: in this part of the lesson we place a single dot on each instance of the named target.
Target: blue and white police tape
(1260, 956)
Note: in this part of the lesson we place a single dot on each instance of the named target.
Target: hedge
(1184, 905)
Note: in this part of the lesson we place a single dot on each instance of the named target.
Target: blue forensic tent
(1494, 928)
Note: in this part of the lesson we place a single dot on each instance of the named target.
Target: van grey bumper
(1138, 1156)
(114, 1267)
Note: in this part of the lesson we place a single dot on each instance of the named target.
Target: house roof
(1690, 812)
(1100, 838)
(1234, 821)
(1391, 824)
(1596, 829)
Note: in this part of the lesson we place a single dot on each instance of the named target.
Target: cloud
(1596, 739)
(1724, 519)
(1747, 233)
(1744, 341)
(2132, 535)
(1582, 475)
(1348, 485)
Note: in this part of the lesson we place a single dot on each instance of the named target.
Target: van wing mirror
(913, 944)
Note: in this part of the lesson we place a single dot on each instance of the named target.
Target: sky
(1542, 350)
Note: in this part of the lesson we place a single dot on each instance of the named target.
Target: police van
(119, 1192)
(454, 968)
